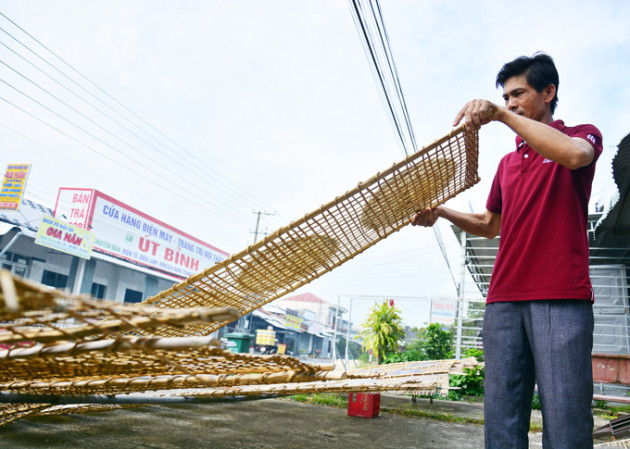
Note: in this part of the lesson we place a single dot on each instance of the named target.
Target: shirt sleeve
(591, 134)
(495, 203)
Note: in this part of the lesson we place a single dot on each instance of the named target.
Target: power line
(232, 191)
(151, 127)
(138, 163)
(369, 21)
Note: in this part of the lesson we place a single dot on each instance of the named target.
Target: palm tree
(382, 330)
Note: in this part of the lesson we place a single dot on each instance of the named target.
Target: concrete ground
(271, 423)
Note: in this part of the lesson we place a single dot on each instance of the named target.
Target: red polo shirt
(543, 251)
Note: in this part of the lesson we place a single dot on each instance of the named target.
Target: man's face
(523, 99)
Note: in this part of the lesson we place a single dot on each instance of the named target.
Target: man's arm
(571, 152)
(486, 224)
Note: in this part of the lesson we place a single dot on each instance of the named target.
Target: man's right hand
(426, 217)
(477, 113)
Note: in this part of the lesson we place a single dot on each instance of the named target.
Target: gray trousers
(547, 343)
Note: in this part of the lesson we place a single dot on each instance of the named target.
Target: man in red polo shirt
(538, 325)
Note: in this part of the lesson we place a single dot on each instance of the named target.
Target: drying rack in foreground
(61, 353)
(66, 354)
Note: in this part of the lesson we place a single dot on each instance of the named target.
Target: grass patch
(341, 401)
(432, 415)
(327, 399)
(440, 416)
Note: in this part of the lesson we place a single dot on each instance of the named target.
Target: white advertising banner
(73, 205)
(125, 232)
(443, 311)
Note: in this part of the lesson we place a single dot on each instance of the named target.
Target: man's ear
(550, 93)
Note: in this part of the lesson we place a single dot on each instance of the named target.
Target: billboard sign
(443, 311)
(129, 234)
(73, 205)
(64, 237)
(13, 186)
(293, 321)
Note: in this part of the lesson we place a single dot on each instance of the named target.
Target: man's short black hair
(539, 70)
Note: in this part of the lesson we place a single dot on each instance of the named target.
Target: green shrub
(468, 384)
(536, 402)
(436, 343)
(406, 356)
(474, 352)
(412, 353)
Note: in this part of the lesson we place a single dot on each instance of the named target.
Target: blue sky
(272, 106)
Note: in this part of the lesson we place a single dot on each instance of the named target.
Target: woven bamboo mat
(417, 384)
(32, 313)
(225, 386)
(451, 366)
(136, 363)
(625, 443)
(326, 238)
(424, 386)
(257, 380)
(13, 412)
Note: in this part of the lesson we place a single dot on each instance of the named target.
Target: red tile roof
(305, 297)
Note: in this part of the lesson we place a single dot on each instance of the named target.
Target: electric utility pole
(248, 318)
(259, 213)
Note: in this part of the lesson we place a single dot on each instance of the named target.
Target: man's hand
(486, 224)
(477, 113)
(426, 217)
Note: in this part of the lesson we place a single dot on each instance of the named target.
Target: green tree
(382, 330)
(437, 343)
(412, 353)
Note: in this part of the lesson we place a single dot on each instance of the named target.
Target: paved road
(270, 423)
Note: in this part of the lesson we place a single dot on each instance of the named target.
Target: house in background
(315, 309)
(134, 256)
(303, 325)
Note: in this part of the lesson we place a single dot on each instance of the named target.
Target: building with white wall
(133, 255)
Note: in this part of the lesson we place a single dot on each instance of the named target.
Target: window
(15, 263)
(132, 295)
(17, 258)
(53, 279)
(98, 290)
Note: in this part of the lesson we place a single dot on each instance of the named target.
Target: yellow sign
(64, 237)
(293, 321)
(265, 337)
(13, 186)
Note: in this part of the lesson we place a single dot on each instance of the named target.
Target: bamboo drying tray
(32, 313)
(335, 233)
(451, 366)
